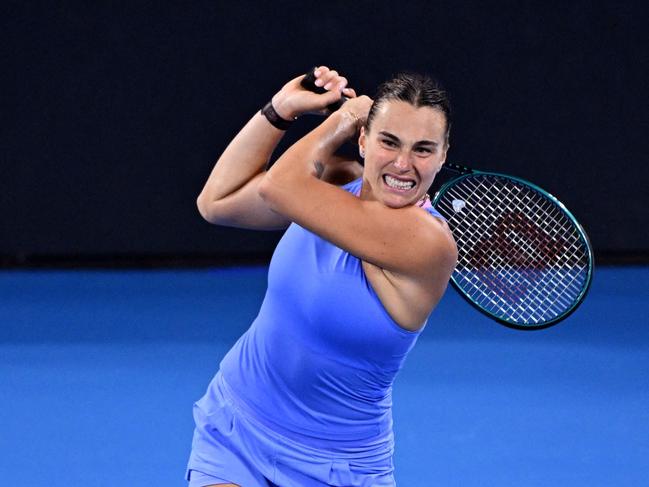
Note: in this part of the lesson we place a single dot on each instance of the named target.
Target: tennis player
(304, 397)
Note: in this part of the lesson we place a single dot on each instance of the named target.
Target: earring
(361, 152)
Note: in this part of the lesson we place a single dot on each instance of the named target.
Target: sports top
(318, 362)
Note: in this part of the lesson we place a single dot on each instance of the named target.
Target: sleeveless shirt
(319, 360)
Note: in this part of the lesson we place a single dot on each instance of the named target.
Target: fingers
(329, 79)
(294, 100)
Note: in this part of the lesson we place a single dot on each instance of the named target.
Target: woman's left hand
(354, 114)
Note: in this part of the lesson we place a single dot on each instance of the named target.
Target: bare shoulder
(442, 249)
(410, 297)
(432, 250)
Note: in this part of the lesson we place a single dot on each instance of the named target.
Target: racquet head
(523, 259)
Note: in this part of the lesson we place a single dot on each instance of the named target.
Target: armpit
(339, 171)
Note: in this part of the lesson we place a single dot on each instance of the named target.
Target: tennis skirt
(230, 445)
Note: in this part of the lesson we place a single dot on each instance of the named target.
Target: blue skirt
(230, 445)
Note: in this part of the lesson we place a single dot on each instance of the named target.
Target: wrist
(348, 124)
(283, 108)
(275, 118)
(331, 134)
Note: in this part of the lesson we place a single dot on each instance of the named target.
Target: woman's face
(404, 149)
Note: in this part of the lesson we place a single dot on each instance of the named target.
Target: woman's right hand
(294, 100)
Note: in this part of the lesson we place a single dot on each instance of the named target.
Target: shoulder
(431, 210)
(439, 247)
(410, 296)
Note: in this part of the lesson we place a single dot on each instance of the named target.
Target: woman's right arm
(230, 196)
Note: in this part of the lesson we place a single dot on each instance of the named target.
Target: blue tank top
(320, 358)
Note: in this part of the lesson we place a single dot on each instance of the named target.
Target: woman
(304, 396)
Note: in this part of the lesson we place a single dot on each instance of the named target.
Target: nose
(402, 162)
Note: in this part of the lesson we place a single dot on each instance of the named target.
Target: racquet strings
(521, 258)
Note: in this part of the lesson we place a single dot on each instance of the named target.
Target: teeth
(395, 183)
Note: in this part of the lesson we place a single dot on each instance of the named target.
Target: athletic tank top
(320, 358)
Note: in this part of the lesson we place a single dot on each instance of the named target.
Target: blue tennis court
(99, 370)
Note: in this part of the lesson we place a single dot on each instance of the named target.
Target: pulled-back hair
(417, 89)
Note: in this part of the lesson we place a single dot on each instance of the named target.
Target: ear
(361, 140)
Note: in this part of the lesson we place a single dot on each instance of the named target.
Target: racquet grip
(308, 83)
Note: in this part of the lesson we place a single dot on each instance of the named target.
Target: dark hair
(417, 89)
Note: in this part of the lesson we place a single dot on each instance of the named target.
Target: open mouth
(398, 184)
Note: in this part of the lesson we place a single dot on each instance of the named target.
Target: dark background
(114, 113)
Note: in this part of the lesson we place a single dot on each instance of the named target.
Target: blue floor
(98, 372)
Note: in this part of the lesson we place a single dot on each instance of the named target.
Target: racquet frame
(465, 172)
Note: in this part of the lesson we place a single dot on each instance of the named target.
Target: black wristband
(273, 117)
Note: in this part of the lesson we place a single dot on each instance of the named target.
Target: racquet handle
(308, 83)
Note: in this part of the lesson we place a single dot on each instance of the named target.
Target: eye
(423, 150)
(389, 143)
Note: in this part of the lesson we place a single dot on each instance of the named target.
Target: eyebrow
(394, 138)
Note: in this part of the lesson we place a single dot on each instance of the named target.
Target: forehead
(408, 122)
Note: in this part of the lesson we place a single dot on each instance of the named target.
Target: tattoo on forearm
(319, 169)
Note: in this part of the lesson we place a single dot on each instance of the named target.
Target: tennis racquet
(523, 259)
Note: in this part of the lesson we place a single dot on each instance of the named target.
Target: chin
(392, 200)
(398, 199)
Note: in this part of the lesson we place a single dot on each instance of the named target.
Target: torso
(330, 337)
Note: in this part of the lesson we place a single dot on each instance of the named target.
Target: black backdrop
(113, 113)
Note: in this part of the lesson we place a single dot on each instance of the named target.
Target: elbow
(267, 190)
(205, 208)
(275, 191)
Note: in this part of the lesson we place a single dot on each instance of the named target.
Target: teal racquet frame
(456, 278)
